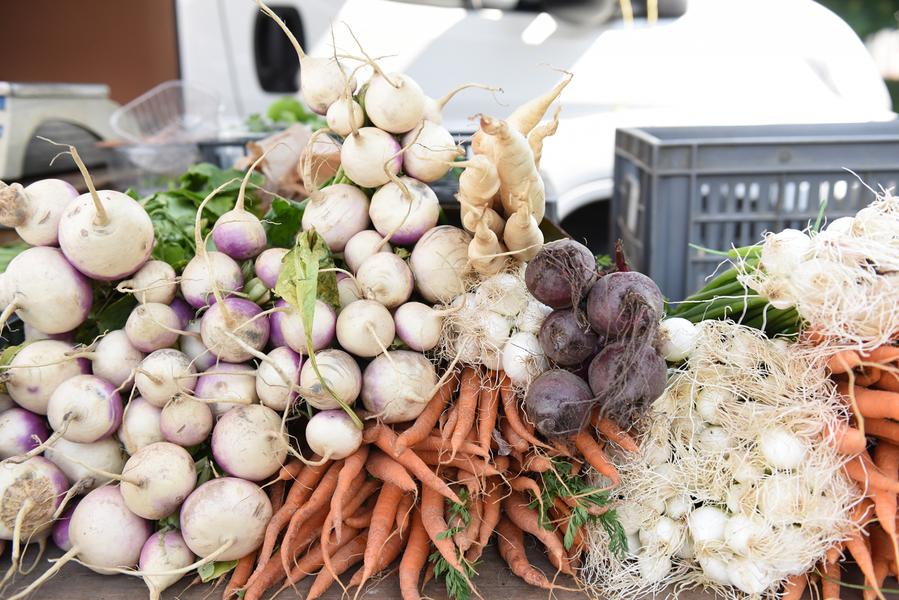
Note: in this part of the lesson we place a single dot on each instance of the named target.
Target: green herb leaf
(456, 583)
(214, 570)
(6, 357)
(170, 522)
(282, 222)
(9, 252)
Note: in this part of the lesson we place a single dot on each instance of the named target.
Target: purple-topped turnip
(35, 210)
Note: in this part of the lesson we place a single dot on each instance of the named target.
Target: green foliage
(603, 261)
(456, 583)
(458, 513)
(865, 16)
(214, 570)
(9, 252)
(109, 311)
(6, 357)
(169, 523)
(282, 222)
(282, 113)
(560, 482)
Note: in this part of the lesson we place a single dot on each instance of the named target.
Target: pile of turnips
(175, 420)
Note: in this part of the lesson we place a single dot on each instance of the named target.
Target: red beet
(566, 341)
(561, 273)
(558, 403)
(625, 304)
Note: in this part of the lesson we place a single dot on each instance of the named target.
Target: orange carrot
(888, 381)
(318, 500)
(414, 558)
(885, 429)
(863, 470)
(477, 466)
(386, 469)
(343, 559)
(883, 355)
(434, 443)
(874, 404)
(404, 513)
(290, 471)
(466, 405)
(435, 525)
(526, 484)
(886, 457)
(389, 552)
(830, 581)
(843, 361)
(595, 456)
(240, 575)
(385, 439)
(353, 466)
(467, 537)
(537, 464)
(428, 418)
(382, 520)
(360, 520)
(510, 410)
(848, 440)
(795, 586)
(276, 495)
(510, 540)
(516, 508)
(856, 546)
(511, 437)
(488, 410)
(610, 429)
(447, 427)
(868, 376)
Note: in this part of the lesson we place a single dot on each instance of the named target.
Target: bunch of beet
(601, 336)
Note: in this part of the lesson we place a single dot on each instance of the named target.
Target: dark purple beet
(561, 273)
(564, 340)
(558, 402)
(625, 303)
(626, 376)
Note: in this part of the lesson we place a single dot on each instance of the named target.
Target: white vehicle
(735, 62)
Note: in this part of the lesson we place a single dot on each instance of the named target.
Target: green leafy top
(214, 570)
(281, 113)
(561, 482)
(456, 584)
(460, 513)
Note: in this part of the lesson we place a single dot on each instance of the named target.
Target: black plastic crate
(718, 187)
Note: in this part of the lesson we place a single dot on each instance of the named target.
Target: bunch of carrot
(433, 492)
(869, 383)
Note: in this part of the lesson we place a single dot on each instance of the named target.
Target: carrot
(886, 457)
(435, 443)
(510, 540)
(385, 439)
(343, 559)
(314, 559)
(472, 465)
(511, 437)
(404, 512)
(868, 377)
(466, 405)
(843, 361)
(863, 470)
(510, 409)
(276, 495)
(414, 558)
(240, 575)
(537, 464)
(881, 552)
(382, 520)
(335, 514)
(492, 513)
(389, 553)
(466, 538)
(526, 484)
(308, 533)
(353, 466)
(270, 574)
(446, 430)
(318, 500)
(435, 525)
(874, 404)
(883, 355)
(386, 469)
(881, 570)
(488, 410)
(516, 508)
(595, 456)
(847, 440)
(830, 581)
(610, 429)
(360, 520)
(427, 420)
(861, 554)
(795, 586)
(306, 480)
(885, 429)
(290, 471)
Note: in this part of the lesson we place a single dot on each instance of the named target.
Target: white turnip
(163, 374)
(247, 442)
(226, 517)
(385, 278)
(227, 385)
(115, 358)
(20, 431)
(45, 291)
(404, 210)
(396, 386)
(290, 323)
(208, 270)
(38, 369)
(394, 102)
(271, 387)
(233, 328)
(370, 156)
(345, 116)
(332, 434)
(362, 245)
(185, 421)
(157, 479)
(60, 533)
(431, 152)
(30, 493)
(106, 235)
(84, 409)
(365, 328)
(418, 325)
(153, 282)
(140, 425)
(152, 326)
(104, 533)
(342, 377)
(84, 463)
(439, 263)
(268, 265)
(337, 213)
(192, 346)
(185, 311)
(163, 551)
(348, 290)
(239, 233)
(35, 210)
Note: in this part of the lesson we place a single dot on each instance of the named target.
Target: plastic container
(718, 187)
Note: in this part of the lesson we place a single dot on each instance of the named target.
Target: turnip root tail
(186, 569)
(301, 54)
(369, 60)
(24, 509)
(48, 574)
(241, 195)
(442, 102)
(102, 218)
(540, 133)
(41, 447)
(405, 190)
(14, 209)
(525, 117)
(41, 549)
(7, 313)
